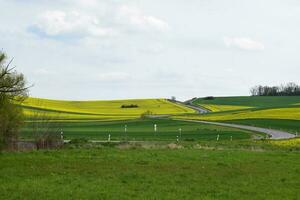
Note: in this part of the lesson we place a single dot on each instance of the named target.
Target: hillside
(277, 112)
(236, 103)
(99, 110)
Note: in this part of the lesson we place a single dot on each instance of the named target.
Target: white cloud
(54, 23)
(113, 76)
(134, 17)
(87, 2)
(244, 43)
(42, 71)
(80, 24)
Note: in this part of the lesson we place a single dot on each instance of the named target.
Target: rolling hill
(99, 110)
(280, 112)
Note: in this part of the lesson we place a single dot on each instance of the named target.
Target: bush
(146, 114)
(209, 98)
(11, 119)
(79, 141)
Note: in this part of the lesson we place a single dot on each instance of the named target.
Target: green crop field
(112, 173)
(99, 110)
(144, 130)
(252, 101)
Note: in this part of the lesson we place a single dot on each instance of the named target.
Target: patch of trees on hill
(129, 106)
(290, 89)
(209, 98)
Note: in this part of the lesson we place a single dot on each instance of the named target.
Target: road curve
(198, 109)
(274, 134)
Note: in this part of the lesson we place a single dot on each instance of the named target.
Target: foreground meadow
(137, 173)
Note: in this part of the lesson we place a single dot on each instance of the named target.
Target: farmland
(180, 160)
(98, 110)
(95, 120)
(142, 129)
(270, 112)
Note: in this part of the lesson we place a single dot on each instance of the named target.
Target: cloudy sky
(118, 49)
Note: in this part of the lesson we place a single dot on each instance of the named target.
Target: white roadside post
(125, 129)
(218, 136)
(180, 130)
(155, 127)
(108, 137)
(230, 138)
(61, 135)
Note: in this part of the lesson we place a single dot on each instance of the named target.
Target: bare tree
(46, 128)
(12, 90)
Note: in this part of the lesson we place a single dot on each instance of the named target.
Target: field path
(275, 134)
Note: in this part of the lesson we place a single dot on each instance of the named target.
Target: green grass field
(144, 130)
(111, 173)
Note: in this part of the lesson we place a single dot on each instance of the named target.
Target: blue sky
(113, 49)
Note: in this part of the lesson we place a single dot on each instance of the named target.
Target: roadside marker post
(180, 130)
(62, 135)
(230, 138)
(155, 127)
(218, 136)
(108, 137)
(125, 129)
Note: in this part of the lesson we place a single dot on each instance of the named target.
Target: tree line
(289, 89)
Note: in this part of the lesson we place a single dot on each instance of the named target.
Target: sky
(121, 49)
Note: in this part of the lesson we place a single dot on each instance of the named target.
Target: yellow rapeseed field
(100, 110)
(275, 113)
(287, 143)
(220, 108)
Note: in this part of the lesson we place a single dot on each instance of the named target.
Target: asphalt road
(274, 134)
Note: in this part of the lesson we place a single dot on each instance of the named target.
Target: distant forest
(290, 89)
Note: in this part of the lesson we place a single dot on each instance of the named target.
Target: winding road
(274, 134)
